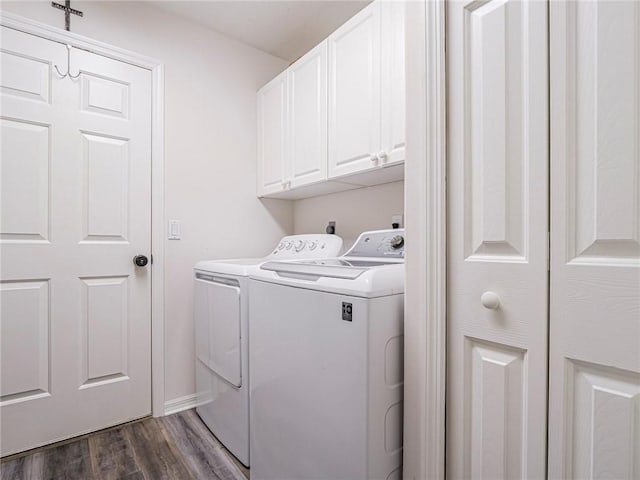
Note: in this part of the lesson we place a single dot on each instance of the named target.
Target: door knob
(490, 300)
(140, 261)
(382, 156)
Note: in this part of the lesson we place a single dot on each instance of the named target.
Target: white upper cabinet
(307, 80)
(272, 136)
(335, 118)
(367, 94)
(354, 94)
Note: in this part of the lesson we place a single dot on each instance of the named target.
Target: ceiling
(286, 29)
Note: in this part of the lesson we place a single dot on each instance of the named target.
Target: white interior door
(497, 239)
(594, 405)
(354, 93)
(308, 117)
(76, 186)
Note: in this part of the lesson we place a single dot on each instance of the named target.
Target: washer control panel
(379, 243)
(312, 245)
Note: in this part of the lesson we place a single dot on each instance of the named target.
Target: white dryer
(221, 315)
(327, 364)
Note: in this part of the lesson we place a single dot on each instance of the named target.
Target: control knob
(397, 242)
(313, 245)
(299, 245)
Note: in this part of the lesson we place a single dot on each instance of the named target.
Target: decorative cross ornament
(66, 8)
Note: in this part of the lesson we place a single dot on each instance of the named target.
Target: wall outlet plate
(174, 230)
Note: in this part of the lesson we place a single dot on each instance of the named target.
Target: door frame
(426, 228)
(156, 68)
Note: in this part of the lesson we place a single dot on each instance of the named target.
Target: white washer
(221, 314)
(327, 364)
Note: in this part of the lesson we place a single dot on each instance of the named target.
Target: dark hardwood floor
(175, 447)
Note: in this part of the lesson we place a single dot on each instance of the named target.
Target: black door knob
(140, 261)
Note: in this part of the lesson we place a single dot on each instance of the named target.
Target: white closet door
(76, 208)
(497, 247)
(354, 93)
(594, 405)
(308, 117)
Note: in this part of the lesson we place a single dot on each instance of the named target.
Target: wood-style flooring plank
(112, 456)
(14, 469)
(70, 461)
(202, 452)
(156, 457)
(29, 467)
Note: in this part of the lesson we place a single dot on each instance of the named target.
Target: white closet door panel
(497, 140)
(393, 94)
(76, 207)
(272, 135)
(308, 117)
(594, 405)
(354, 93)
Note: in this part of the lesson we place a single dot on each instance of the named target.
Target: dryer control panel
(379, 243)
(312, 245)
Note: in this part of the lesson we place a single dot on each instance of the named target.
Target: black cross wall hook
(66, 8)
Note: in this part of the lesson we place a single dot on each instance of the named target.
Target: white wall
(354, 211)
(210, 148)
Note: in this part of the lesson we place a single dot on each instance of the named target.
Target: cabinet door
(393, 83)
(354, 94)
(497, 247)
(272, 134)
(594, 379)
(308, 118)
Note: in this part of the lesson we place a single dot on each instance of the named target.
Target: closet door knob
(490, 300)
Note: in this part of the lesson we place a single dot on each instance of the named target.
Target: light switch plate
(174, 230)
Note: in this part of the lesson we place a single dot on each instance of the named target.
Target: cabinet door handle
(382, 156)
(373, 158)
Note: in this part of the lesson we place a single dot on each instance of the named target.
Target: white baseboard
(179, 404)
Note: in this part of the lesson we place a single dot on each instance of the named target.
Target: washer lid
(314, 269)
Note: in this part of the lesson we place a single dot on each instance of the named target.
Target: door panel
(497, 140)
(308, 117)
(594, 425)
(272, 134)
(25, 339)
(76, 208)
(25, 181)
(354, 93)
(393, 82)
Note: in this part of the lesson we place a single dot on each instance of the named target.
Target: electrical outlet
(397, 219)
